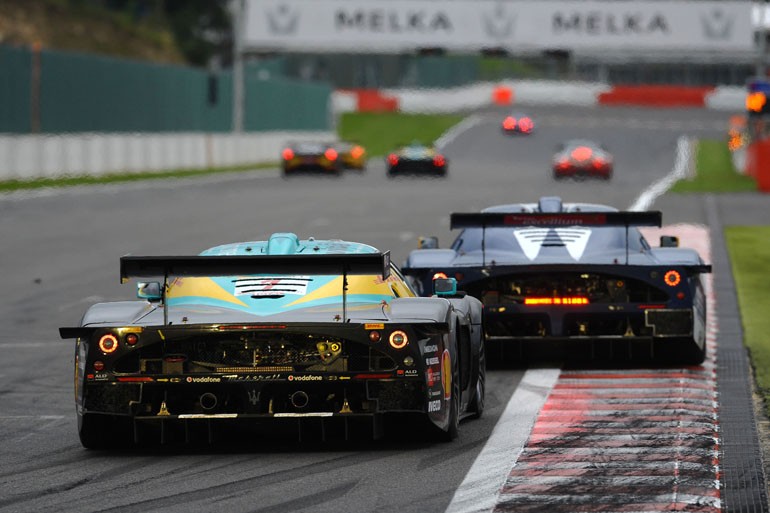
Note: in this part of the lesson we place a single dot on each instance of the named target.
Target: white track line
(451, 134)
(479, 490)
(681, 166)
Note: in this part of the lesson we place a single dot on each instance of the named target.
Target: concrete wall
(26, 157)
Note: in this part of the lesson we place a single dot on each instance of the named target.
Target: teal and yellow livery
(315, 335)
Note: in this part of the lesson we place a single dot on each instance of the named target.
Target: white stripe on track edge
(479, 490)
(657, 189)
(451, 134)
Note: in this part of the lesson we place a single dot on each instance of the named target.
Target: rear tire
(476, 406)
(453, 429)
(100, 432)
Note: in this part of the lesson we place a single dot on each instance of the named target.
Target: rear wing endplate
(234, 265)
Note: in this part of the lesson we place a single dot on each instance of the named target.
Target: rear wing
(233, 265)
(486, 220)
(503, 219)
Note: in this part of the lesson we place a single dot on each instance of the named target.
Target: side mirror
(150, 290)
(445, 287)
(669, 241)
(427, 242)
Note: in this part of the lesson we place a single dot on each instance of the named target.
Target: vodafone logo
(305, 378)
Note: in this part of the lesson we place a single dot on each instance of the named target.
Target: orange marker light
(756, 101)
(357, 152)
(439, 275)
(672, 278)
(108, 343)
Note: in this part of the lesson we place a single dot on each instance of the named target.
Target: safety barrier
(27, 157)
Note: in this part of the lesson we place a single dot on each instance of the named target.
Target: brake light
(98, 365)
(108, 343)
(563, 164)
(132, 339)
(672, 278)
(288, 154)
(556, 301)
(526, 125)
(439, 160)
(509, 123)
(392, 159)
(357, 152)
(235, 327)
(330, 154)
(398, 340)
(599, 163)
(581, 153)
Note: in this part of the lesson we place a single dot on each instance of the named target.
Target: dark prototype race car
(580, 158)
(311, 157)
(416, 159)
(314, 337)
(552, 274)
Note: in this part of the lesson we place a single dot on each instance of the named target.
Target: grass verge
(715, 171)
(382, 132)
(749, 254)
(39, 183)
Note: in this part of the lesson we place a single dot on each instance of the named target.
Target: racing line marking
(641, 440)
(681, 167)
(451, 134)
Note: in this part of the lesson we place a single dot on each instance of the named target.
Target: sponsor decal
(434, 405)
(432, 348)
(253, 377)
(597, 23)
(717, 24)
(498, 24)
(400, 372)
(433, 360)
(282, 20)
(253, 397)
(270, 287)
(204, 379)
(434, 393)
(410, 372)
(101, 376)
(432, 376)
(446, 367)
(305, 378)
(392, 21)
(532, 240)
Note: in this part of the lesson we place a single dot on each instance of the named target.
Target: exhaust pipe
(299, 399)
(208, 401)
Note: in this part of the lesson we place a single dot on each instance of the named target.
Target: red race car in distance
(580, 158)
(518, 123)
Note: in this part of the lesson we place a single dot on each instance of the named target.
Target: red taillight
(132, 339)
(439, 161)
(392, 159)
(672, 278)
(599, 163)
(357, 152)
(288, 154)
(526, 125)
(98, 365)
(374, 336)
(509, 123)
(563, 164)
(556, 301)
(108, 343)
(582, 153)
(330, 154)
(237, 327)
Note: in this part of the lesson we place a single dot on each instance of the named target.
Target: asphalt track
(60, 253)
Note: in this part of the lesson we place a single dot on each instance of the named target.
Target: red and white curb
(641, 440)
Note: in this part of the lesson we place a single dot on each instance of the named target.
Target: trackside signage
(518, 25)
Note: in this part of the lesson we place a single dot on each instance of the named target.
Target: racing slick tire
(453, 427)
(476, 406)
(685, 352)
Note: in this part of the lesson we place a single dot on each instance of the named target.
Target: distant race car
(311, 156)
(581, 158)
(351, 155)
(518, 123)
(416, 158)
(313, 337)
(554, 274)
